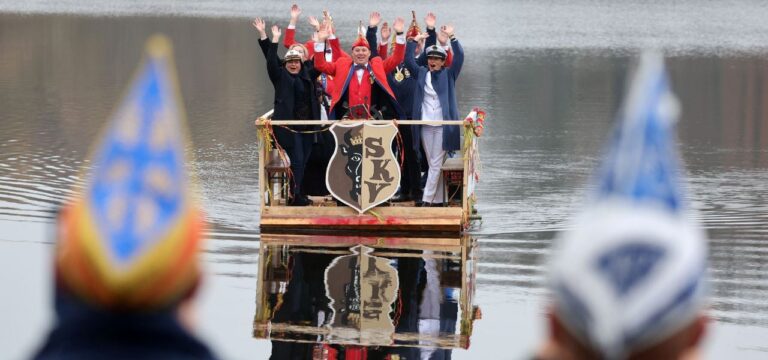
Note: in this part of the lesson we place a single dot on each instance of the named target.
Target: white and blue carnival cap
(632, 270)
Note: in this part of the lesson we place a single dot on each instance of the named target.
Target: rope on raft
(267, 136)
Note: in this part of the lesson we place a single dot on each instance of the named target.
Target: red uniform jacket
(343, 65)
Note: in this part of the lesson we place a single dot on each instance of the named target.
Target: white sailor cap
(632, 269)
(436, 51)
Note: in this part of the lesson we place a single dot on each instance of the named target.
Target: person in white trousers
(435, 99)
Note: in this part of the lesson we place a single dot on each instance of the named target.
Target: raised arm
(336, 47)
(383, 46)
(273, 62)
(458, 59)
(443, 39)
(370, 34)
(397, 56)
(430, 20)
(261, 27)
(321, 64)
(290, 32)
(410, 61)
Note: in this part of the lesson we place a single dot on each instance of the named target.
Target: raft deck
(328, 214)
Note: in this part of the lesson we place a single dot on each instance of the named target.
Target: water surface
(551, 94)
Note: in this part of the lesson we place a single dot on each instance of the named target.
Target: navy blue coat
(404, 89)
(446, 91)
(84, 332)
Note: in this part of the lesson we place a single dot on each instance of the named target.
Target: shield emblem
(363, 171)
(361, 289)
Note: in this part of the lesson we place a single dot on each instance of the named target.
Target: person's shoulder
(344, 62)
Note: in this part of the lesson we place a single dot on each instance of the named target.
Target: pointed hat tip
(158, 46)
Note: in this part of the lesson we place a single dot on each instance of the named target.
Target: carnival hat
(130, 238)
(361, 40)
(413, 29)
(436, 52)
(632, 269)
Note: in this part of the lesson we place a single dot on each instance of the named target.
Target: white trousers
(432, 140)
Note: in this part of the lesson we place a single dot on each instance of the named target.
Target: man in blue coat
(434, 98)
(403, 85)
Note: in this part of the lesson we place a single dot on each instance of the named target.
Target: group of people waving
(412, 78)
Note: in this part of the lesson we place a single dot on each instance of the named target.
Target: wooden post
(262, 172)
(464, 299)
(262, 160)
(260, 293)
(465, 183)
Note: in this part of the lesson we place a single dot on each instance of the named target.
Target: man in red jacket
(364, 92)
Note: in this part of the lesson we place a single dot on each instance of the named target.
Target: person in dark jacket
(435, 99)
(83, 331)
(128, 243)
(296, 98)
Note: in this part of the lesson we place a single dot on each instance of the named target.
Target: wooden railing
(265, 120)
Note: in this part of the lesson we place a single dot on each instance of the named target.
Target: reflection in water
(549, 112)
(381, 296)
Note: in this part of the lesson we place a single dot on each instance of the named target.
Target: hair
(683, 340)
(304, 48)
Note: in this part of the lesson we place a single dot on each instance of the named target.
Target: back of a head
(128, 243)
(628, 279)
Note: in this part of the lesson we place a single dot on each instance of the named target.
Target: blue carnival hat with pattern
(632, 269)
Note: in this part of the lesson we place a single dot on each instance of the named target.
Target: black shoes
(300, 201)
(430, 204)
(400, 198)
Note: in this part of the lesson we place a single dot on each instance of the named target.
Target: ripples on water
(34, 183)
(679, 26)
(550, 111)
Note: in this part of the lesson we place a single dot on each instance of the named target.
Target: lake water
(550, 76)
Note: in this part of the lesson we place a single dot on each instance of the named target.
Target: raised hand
(447, 29)
(430, 20)
(443, 38)
(385, 30)
(327, 16)
(329, 26)
(420, 37)
(327, 19)
(295, 11)
(399, 25)
(374, 19)
(276, 32)
(313, 21)
(323, 33)
(259, 24)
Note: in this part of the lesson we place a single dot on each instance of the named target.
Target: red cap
(361, 41)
